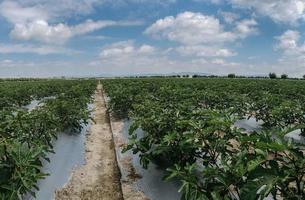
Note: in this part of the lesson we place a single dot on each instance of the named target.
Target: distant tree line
(231, 75)
(274, 76)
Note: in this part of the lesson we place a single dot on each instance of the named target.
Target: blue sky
(41, 38)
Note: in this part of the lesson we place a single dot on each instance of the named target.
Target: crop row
(188, 125)
(26, 137)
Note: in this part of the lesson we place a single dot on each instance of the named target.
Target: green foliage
(272, 75)
(284, 76)
(189, 125)
(26, 137)
(231, 76)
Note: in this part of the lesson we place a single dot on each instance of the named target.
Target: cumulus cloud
(42, 31)
(246, 28)
(31, 23)
(15, 13)
(191, 28)
(201, 35)
(280, 11)
(126, 48)
(293, 53)
(289, 43)
(288, 40)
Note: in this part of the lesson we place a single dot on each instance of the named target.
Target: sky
(44, 38)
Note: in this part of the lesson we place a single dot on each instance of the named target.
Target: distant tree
(231, 75)
(284, 76)
(272, 75)
(303, 76)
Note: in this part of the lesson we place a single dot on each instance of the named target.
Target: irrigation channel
(90, 165)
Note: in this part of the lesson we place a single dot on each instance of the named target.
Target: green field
(188, 129)
(188, 124)
(26, 136)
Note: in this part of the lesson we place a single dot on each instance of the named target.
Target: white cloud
(281, 11)
(288, 40)
(90, 25)
(31, 23)
(96, 37)
(41, 50)
(218, 61)
(289, 43)
(292, 60)
(205, 51)
(15, 13)
(42, 31)
(71, 8)
(210, 1)
(126, 49)
(246, 28)
(229, 17)
(121, 53)
(201, 35)
(53, 9)
(128, 58)
(6, 61)
(190, 28)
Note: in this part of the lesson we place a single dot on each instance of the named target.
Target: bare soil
(99, 178)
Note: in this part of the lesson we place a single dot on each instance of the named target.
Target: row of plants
(21, 93)
(26, 137)
(188, 124)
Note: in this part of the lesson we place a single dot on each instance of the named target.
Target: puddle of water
(151, 183)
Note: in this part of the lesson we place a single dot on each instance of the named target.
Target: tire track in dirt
(99, 178)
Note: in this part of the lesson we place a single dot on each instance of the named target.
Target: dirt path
(99, 178)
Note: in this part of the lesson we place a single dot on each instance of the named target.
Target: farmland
(27, 136)
(188, 127)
